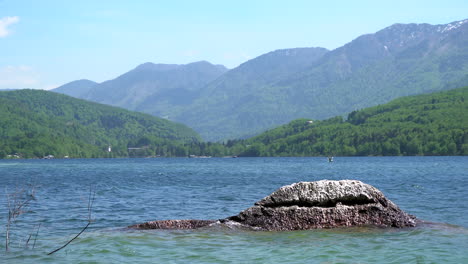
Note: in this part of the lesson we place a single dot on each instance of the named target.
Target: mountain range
(277, 87)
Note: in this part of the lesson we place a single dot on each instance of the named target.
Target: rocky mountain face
(283, 85)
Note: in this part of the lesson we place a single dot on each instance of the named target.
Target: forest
(429, 124)
(36, 124)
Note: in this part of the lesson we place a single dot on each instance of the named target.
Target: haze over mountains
(283, 85)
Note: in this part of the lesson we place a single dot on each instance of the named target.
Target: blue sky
(46, 43)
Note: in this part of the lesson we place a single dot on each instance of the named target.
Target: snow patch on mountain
(451, 26)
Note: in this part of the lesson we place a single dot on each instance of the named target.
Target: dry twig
(92, 195)
(17, 202)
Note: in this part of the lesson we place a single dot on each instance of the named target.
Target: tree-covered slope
(36, 123)
(401, 60)
(430, 124)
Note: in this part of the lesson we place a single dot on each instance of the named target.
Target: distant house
(310, 122)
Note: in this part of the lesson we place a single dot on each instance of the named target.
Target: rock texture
(310, 205)
(324, 204)
(173, 224)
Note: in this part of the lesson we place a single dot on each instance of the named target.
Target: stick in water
(90, 206)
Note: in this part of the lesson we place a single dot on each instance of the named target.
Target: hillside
(373, 69)
(283, 85)
(37, 123)
(150, 87)
(169, 91)
(239, 102)
(431, 124)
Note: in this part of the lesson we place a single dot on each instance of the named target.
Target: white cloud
(17, 77)
(4, 23)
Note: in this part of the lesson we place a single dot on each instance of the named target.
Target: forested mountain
(272, 89)
(431, 124)
(239, 103)
(36, 123)
(77, 88)
(168, 90)
(397, 61)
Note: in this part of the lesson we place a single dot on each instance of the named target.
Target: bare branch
(92, 195)
(17, 202)
(35, 237)
(66, 244)
(29, 238)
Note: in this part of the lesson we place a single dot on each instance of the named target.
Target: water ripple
(131, 191)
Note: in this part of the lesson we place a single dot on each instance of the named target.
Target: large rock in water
(324, 204)
(310, 205)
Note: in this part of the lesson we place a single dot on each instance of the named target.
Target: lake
(130, 191)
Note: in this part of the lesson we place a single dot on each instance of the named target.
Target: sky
(47, 43)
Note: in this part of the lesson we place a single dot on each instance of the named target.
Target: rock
(324, 204)
(310, 205)
(173, 224)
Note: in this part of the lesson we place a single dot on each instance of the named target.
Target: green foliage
(432, 124)
(35, 123)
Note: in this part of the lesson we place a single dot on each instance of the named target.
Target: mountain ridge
(359, 74)
(76, 88)
(283, 85)
(149, 80)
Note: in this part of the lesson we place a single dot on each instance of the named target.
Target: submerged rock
(310, 205)
(173, 224)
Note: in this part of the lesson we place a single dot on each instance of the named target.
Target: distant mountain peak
(76, 88)
(149, 66)
(84, 81)
(160, 67)
(451, 26)
(294, 51)
(424, 27)
(204, 63)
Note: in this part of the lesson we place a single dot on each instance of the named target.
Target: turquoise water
(130, 191)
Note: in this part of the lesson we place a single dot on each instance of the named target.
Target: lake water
(130, 191)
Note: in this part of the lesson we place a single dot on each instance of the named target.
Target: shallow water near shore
(130, 191)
